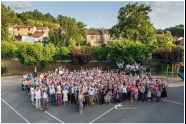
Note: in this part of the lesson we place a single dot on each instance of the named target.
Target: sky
(98, 14)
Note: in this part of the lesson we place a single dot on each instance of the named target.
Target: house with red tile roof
(29, 33)
(97, 37)
(178, 38)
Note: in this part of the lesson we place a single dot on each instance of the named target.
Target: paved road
(16, 107)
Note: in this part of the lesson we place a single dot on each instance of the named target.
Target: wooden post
(177, 73)
(172, 72)
(167, 70)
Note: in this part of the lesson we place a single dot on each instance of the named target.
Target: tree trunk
(35, 68)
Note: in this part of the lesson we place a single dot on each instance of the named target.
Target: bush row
(116, 51)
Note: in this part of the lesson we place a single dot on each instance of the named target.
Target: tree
(4, 23)
(164, 40)
(56, 37)
(134, 23)
(176, 31)
(81, 31)
(74, 30)
(30, 54)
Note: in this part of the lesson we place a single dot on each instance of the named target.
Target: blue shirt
(67, 87)
(31, 77)
(91, 92)
(158, 93)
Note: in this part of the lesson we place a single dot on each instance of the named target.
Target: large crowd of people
(87, 87)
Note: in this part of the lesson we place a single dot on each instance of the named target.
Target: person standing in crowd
(65, 96)
(80, 100)
(163, 92)
(91, 94)
(136, 94)
(149, 94)
(154, 95)
(58, 97)
(102, 93)
(116, 96)
(158, 95)
(120, 66)
(52, 95)
(44, 97)
(142, 91)
(132, 92)
(72, 94)
(38, 97)
(96, 96)
(87, 99)
(32, 92)
(124, 93)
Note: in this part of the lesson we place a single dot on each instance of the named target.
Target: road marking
(174, 102)
(14, 110)
(116, 106)
(102, 115)
(50, 114)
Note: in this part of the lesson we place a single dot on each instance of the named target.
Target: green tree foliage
(133, 23)
(100, 53)
(176, 31)
(4, 23)
(38, 19)
(73, 29)
(56, 37)
(164, 40)
(71, 43)
(128, 51)
(49, 51)
(8, 50)
(32, 54)
(3, 68)
(62, 53)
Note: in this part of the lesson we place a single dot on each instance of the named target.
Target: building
(11, 29)
(23, 30)
(97, 37)
(28, 33)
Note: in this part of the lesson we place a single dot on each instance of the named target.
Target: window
(18, 29)
(29, 29)
(100, 37)
(92, 37)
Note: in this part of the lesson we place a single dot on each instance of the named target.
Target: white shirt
(52, 90)
(60, 72)
(44, 93)
(38, 94)
(128, 66)
(124, 89)
(32, 91)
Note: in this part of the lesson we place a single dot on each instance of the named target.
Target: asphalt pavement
(16, 107)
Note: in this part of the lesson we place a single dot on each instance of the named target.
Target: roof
(42, 28)
(19, 26)
(94, 32)
(178, 38)
(105, 31)
(11, 25)
(37, 34)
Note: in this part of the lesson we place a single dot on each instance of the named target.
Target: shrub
(78, 56)
(62, 53)
(3, 68)
(8, 50)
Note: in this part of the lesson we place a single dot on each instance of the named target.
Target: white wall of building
(27, 38)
